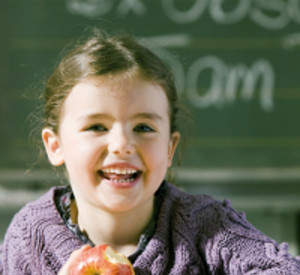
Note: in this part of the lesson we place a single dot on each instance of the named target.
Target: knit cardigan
(195, 234)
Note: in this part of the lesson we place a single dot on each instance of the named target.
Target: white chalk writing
(226, 84)
(272, 15)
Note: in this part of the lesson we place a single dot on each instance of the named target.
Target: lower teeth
(123, 181)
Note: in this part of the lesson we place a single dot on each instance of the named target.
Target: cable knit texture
(195, 234)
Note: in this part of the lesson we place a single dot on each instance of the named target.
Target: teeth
(119, 171)
(123, 180)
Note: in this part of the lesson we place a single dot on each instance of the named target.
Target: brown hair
(100, 54)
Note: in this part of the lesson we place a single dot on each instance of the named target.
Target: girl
(110, 119)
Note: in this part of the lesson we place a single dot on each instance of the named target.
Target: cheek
(156, 155)
(80, 152)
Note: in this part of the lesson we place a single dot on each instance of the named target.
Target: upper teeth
(119, 171)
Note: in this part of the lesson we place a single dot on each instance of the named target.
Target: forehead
(121, 92)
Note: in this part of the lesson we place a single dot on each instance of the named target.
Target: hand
(65, 270)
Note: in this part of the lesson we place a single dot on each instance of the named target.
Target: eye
(143, 128)
(97, 128)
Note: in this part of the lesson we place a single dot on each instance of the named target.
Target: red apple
(101, 260)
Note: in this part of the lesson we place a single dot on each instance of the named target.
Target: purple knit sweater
(194, 235)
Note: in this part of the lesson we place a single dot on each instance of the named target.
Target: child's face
(114, 138)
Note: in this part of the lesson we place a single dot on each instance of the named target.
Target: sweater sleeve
(16, 255)
(239, 248)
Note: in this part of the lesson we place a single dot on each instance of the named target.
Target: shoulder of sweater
(195, 208)
(195, 201)
(33, 219)
(36, 235)
(41, 208)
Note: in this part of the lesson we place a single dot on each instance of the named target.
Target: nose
(120, 142)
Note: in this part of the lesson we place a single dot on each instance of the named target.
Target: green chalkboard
(236, 64)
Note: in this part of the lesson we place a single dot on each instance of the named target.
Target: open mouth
(120, 175)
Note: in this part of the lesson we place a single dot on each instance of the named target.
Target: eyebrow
(151, 116)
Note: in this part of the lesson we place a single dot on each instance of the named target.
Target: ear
(52, 146)
(174, 140)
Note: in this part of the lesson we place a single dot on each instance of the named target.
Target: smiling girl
(110, 118)
(114, 138)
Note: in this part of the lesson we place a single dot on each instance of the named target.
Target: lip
(120, 184)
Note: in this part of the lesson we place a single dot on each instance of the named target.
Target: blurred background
(237, 69)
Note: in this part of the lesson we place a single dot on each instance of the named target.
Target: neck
(121, 230)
